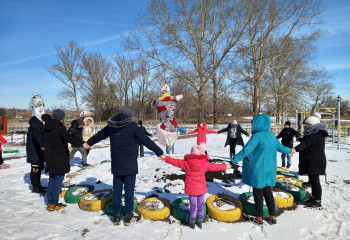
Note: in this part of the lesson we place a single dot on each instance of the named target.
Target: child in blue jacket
(259, 165)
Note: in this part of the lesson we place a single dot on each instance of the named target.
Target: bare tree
(268, 20)
(67, 70)
(96, 73)
(181, 35)
(126, 74)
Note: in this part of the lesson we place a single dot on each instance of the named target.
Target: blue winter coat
(259, 155)
(123, 134)
(35, 135)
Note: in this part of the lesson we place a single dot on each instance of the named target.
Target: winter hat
(234, 122)
(46, 117)
(287, 123)
(198, 149)
(165, 88)
(80, 122)
(140, 122)
(58, 114)
(316, 114)
(312, 120)
(126, 109)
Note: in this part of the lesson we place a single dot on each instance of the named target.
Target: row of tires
(102, 199)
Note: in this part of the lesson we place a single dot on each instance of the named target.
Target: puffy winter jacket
(260, 155)
(287, 135)
(202, 133)
(35, 135)
(56, 139)
(76, 132)
(195, 167)
(124, 133)
(312, 157)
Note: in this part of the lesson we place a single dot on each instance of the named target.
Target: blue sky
(29, 30)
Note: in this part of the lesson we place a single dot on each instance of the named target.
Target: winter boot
(199, 222)
(283, 165)
(85, 164)
(117, 219)
(310, 200)
(38, 190)
(272, 220)
(257, 221)
(55, 207)
(316, 204)
(131, 219)
(192, 223)
(288, 166)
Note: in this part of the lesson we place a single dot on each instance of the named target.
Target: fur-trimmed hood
(318, 127)
(120, 120)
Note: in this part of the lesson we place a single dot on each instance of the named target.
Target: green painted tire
(69, 198)
(110, 211)
(249, 208)
(298, 195)
(10, 151)
(288, 174)
(182, 214)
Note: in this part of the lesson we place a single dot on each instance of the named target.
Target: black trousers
(1, 160)
(233, 143)
(35, 174)
(316, 189)
(259, 195)
(141, 150)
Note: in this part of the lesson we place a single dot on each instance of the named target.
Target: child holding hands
(195, 166)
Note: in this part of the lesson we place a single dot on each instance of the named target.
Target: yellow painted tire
(282, 178)
(62, 193)
(224, 215)
(89, 205)
(157, 214)
(282, 169)
(283, 202)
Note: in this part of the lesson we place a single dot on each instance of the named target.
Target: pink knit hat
(199, 149)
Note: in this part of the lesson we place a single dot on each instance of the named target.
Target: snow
(23, 214)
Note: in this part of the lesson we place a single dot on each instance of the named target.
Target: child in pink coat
(195, 166)
(202, 131)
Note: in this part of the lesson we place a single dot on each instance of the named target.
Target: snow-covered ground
(23, 214)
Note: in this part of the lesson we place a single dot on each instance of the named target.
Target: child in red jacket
(202, 131)
(195, 166)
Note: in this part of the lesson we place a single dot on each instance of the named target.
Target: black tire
(69, 198)
(182, 214)
(110, 211)
(249, 208)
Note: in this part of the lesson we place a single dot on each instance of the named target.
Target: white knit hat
(165, 88)
(318, 115)
(312, 120)
(234, 122)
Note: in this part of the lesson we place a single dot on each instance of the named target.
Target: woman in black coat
(234, 136)
(56, 140)
(312, 157)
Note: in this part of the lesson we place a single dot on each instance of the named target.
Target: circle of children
(49, 136)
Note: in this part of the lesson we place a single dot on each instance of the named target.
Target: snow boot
(191, 224)
(271, 220)
(199, 222)
(117, 219)
(257, 221)
(288, 166)
(131, 219)
(316, 204)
